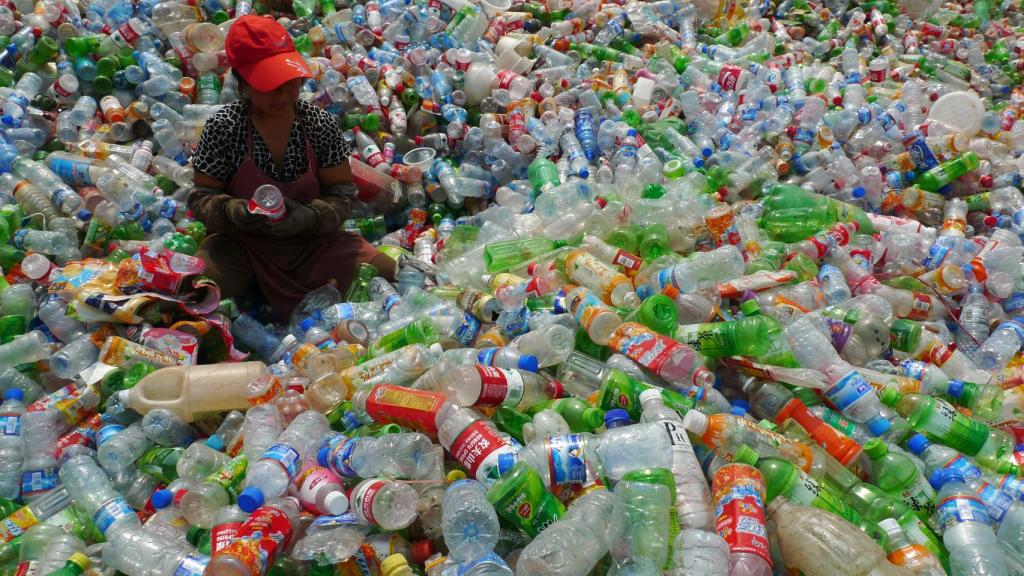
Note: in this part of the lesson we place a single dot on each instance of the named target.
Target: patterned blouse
(223, 144)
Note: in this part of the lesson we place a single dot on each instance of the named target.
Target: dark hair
(238, 77)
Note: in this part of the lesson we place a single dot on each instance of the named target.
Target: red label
(259, 538)
(729, 76)
(643, 346)
(416, 409)
(222, 535)
(920, 307)
(505, 78)
(627, 260)
(473, 447)
(493, 386)
(363, 499)
(739, 505)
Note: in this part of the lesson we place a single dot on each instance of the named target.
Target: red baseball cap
(263, 53)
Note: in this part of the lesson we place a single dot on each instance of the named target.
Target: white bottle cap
(642, 90)
(336, 503)
(648, 394)
(696, 421)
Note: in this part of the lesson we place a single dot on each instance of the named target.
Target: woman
(271, 137)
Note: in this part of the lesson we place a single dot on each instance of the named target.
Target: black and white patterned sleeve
(330, 147)
(217, 154)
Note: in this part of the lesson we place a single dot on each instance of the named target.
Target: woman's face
(279, 100)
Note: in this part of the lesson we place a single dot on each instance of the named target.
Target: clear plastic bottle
(139, 552)
(700, 553)
(902, 552)
(90, 488)
(966, 529)
(574, 544)
(11, 441)
(405, 455)
(57, 552)
(263, 424)
(974, 320)
(693, 498)
(122, 448)
(468, 521)
(280, 463)
(385, 503)
(39, 469)
(166, 428)
(1004, 342)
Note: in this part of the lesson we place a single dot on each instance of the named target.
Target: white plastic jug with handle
(194, 392)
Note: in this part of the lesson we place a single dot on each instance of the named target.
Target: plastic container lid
(250, 499)
(745, 455)
(879, 426)
(955, 389)
(215, 442)
(81, 560)
(422, 550)
(696, 421)
(306, 324)
(961, 110)
(14, 394)
(918, 443)
(875, 448)
(649, 394)
(616, 417)
(162, 499)
(395, 565)
(528, 362)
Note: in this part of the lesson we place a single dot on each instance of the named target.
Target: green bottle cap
(673, 169)
(905, 335)
(890, 396)
(653, 191)
(875, 448)
(659, 313)
(750, 308)
(746, 455)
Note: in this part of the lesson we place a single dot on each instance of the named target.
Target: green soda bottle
(626, 237)
(161, 463)
(511, 422)
(654, 242)
(420, 331)
(745, 337)
(874, 505)
(580, 416)
(779, 352)
(77, 564)
(792, 213)
(942, 423)
(658, 312)
(359, 291)
(769, 259)
(783, 478)
(664, 477)
(543, 175)
(520, 498)
(620, 390)
(502, 256)
(898, 475)
(949, 171)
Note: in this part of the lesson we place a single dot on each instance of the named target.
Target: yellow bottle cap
(456, 475)
(80, 559)
(395, 565)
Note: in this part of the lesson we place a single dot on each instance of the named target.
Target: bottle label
(920, 307)
(17, 523)
(10, 424)
(644, 346)
(106, 432)
(839, 332)
(961, 464)
(586, 307)
(34, 482)
(345, 311)
(222, 535)
(229, 476)
(920, 497)
(809, 492)
(192, 565)
(310, 481)
(260, 537)
(729, 77)
(362, 499)
(111, 511)
(415, 409)
(848, 390)
(911, 368)
(286, 456)
(486, 356)
(1012, 485)
(685, 467)
(627, 260)
(479, 449)
(997, 501)
(960, 508)
(738, 492)
(567, 462)
(836, 420)
(949, 426)
(340, 455)
(499, 387)
(707, 339)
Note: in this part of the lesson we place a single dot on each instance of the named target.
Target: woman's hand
(317, 217)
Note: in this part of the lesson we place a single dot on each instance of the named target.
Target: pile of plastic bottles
(690, 287)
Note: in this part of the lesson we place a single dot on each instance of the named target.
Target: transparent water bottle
(699, 553)
(385, 503)
(11, 439)
(120, 449)
(39, 470)
(166, 428)
(263, 424)
(90, 488)
(272, 473)
(966, 528)
(57, 552)
(469, 522)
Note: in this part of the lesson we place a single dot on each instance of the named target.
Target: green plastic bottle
(899, 477)
(783, 478)
(543, 175)
(747, 336)
(359, 290)
(654, 242)
(502, 256)
(520, 498)
(792, 213)
(874, 505)
(421, 331)
(626, 237)
(658, 312)
(511, 422)
(944, 424)
(769, 259)
(947, 172)
(161, 463)
(580, 416)
(75, 565)
(779, 352)
(620, 390)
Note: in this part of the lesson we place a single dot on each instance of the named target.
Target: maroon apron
(287, 268)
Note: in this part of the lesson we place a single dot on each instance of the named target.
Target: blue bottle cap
(161, 499)
(215, 442)
(323, 454)
(14, 394)
(955, 389)
(918, 443)
(707, 152)
(617, 417)
(935, 478)
(84, 215)
(306, 324)
(858, 192)
(738, 411)
(878, 426)
(584, 173)
(529, 363)
(250, 499)
(951, 475)
(741, 403)
(698, 162)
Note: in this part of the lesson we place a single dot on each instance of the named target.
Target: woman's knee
(227, 264)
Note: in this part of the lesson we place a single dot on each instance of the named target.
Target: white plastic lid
(649, 394)
(889, 525)
(336, 503)
(696, 421)
(642, 90)
(961, 110)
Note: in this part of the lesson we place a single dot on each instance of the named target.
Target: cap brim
(269, 73)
